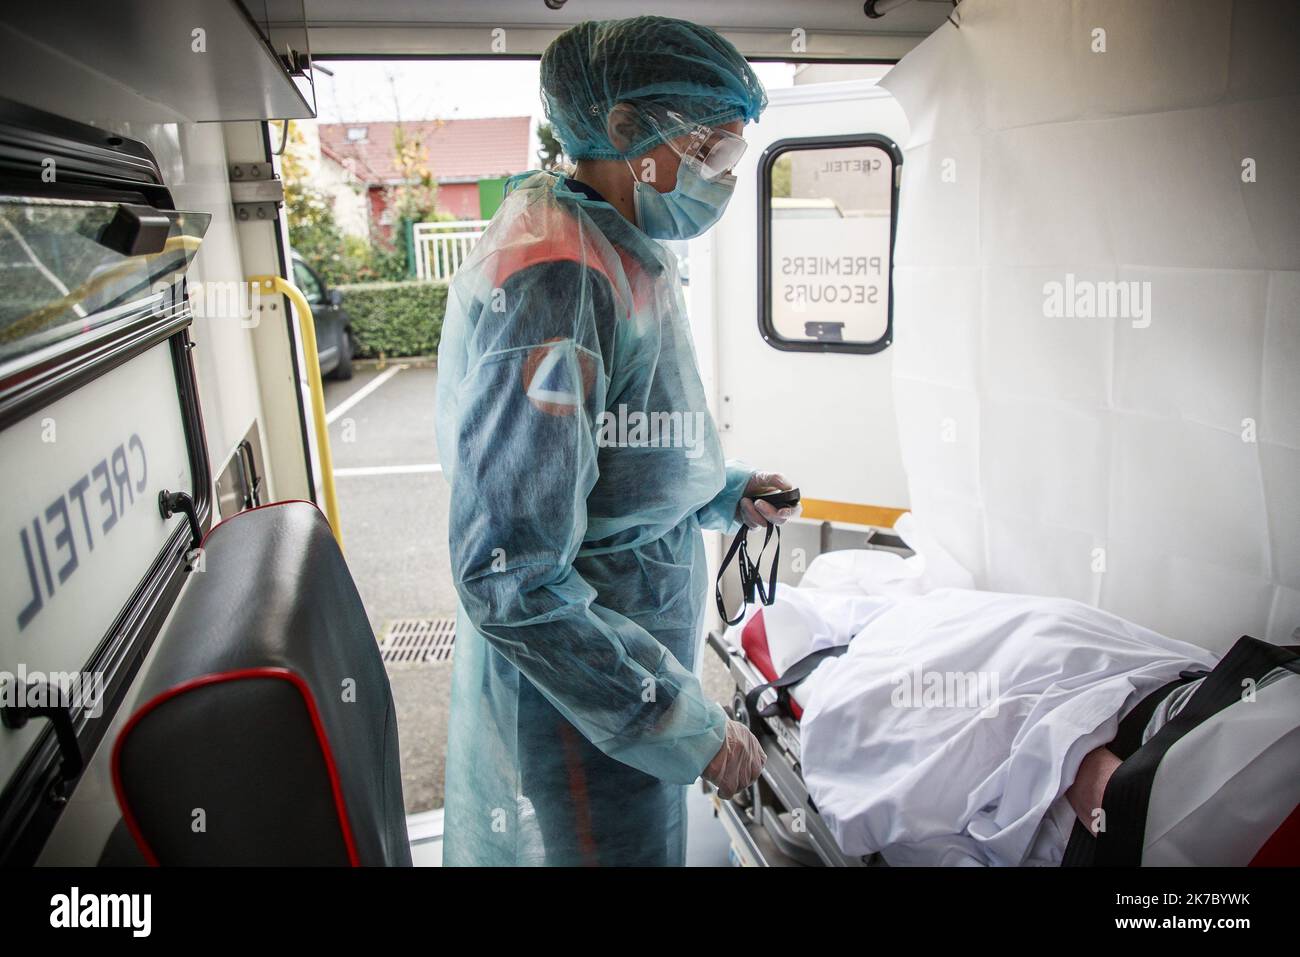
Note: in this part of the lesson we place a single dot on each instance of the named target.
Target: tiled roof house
(467, 158)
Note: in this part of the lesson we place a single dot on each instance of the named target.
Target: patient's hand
(1089, 785)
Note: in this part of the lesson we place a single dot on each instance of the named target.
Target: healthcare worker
(583, 464)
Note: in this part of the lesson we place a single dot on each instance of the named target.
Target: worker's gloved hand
(761, 514)
(738, 762)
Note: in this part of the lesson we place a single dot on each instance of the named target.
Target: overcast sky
(370, 91)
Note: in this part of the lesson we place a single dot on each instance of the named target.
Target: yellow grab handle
(307, 326)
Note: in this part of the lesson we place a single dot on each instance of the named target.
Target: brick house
(469, 159)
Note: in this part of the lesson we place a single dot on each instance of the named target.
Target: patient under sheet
(950, 729)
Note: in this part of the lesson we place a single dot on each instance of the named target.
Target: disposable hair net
(655, 63)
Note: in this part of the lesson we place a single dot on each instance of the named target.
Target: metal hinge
(255, 191)
(295, 62)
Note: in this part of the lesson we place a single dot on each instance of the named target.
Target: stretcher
(1214, 785)
(775, 823)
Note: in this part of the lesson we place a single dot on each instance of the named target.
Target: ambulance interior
(1010, 289)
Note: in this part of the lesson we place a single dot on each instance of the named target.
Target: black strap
(736, 544)
(751, 575)
(1128, 793)
(768, 595)
(1082, 847)
(793, 675)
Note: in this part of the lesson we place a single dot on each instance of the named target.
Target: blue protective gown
(583, 464)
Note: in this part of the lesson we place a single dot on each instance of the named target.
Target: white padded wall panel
(1190, 490)
(1282, 494)
(944, 179)
(1262, 60)
(1037, 559)
(1175, 196)
(1064, 483)
(1280, 380)
(939, 434)
(962, 524)
(1147, 461)
(1033, 179)
(945, 304)
(1200, 358)
(1284, 615)
(1207, 603)
(1025, 354)
(1167, 55)
(1267, 131)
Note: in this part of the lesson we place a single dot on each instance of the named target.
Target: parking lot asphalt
(393, 508)
(395, 540)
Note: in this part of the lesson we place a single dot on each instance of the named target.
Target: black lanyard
(751, 576)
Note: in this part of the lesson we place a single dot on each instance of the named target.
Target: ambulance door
(794, 289)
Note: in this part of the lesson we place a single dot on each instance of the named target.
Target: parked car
(334, 342)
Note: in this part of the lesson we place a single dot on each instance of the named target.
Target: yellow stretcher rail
(307, 326)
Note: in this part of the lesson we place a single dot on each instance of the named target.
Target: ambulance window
(826, 216)
(63, 276)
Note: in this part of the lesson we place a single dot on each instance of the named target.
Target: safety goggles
(715, 152)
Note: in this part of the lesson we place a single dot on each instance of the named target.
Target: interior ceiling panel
(193, 59)
(832, 29)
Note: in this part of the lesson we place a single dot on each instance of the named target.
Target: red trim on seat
(1282, 849)
(753, 640)
(202, 681)
(258, 508)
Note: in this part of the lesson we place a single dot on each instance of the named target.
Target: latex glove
(760, 514)
(738, 762)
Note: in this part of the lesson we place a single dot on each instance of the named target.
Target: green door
(490, 194)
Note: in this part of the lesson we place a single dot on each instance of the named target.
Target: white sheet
(841, 591)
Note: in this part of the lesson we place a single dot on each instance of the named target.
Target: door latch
(169, 503)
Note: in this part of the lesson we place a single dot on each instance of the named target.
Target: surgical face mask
(694, 204)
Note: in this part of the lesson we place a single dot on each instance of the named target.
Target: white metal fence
(440, 248)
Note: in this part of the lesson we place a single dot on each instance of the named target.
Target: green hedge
(395, 318)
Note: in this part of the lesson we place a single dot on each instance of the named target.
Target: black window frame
(766, 328)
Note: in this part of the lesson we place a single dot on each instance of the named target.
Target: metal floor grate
(417, 641)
